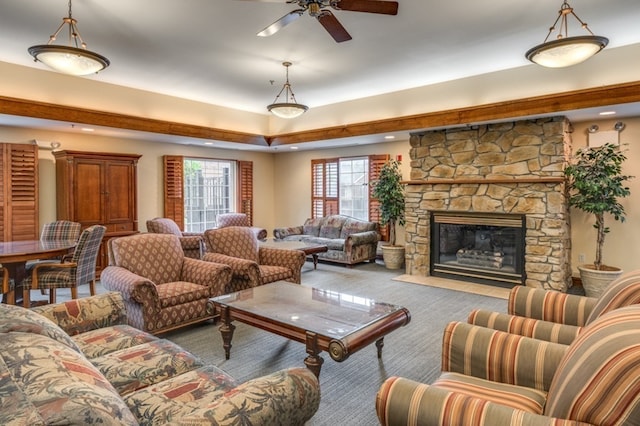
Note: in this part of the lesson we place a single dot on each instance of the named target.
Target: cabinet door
(119, 192)
(88, 192)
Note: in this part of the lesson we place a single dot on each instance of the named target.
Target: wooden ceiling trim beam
(28, 108)
(559, 102)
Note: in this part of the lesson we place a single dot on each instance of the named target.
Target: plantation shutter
(375, 164)
(324, 187)
(245, 189)
(174, 188)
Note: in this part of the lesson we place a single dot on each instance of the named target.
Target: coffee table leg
(226, 329)
(315, 261)
(379, 345)
(314, 360)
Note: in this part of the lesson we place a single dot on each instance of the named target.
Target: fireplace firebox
(487, 248)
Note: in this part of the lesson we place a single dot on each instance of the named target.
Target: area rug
(482, 289)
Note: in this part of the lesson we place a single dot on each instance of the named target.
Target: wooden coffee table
(309, 249)
(323, 320)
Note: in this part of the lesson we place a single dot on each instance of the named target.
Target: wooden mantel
(480, 180)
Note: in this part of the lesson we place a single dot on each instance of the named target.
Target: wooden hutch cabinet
(98, 188)
(18, 192)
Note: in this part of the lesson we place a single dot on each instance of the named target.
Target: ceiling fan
(319, 10)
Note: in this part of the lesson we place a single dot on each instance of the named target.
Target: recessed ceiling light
(87, 129)
(608, 113)
(389, 137)
(293, 148)
(208, 143)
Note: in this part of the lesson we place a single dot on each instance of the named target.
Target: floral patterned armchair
(224, 220)
(252, 265)
(162, 289)
(192, 242)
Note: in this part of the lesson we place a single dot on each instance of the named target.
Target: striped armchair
(494, 378)
(555, 316)
(161, 287)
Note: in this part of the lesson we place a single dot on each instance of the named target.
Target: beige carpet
(482, 289)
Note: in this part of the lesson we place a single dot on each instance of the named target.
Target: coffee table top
(326, 312)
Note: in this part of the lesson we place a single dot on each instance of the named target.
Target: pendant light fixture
(565, 51)
(290, 108)
(72, 59)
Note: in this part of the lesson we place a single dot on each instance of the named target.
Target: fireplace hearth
(480, 247)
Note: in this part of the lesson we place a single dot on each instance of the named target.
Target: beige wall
(282, 181)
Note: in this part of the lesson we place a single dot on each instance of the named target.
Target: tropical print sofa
(79, 363)
(348, 239)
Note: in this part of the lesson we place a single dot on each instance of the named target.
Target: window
(354, 187)
(196, 190)
(209, 189)
(341, 186)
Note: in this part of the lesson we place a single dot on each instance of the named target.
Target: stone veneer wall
(471, 169)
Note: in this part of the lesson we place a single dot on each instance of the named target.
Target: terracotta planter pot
(393, 256)
(595, 281)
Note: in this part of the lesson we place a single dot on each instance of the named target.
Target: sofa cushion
(60, 383)
(102, 341)
(139, 366)
(312, 226)
(172, 399)
(352, 226)
(17, 319)
(332, 227)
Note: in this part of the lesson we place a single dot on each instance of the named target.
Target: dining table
(14, 255)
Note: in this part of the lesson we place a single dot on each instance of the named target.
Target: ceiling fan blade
(370, 6)
(333, 26)
(281, 23)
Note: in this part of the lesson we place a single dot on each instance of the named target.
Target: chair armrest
(287, 397)
(550, 305)
(401, 401)
(534, 328)
(499, 356)
(87, 313)
(280, 233)
(360, 238)
(237, 264)
(261, 233)
(292, 259)
(216, 276)
(132, 286)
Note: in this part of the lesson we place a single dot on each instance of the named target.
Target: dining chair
(58, 230)
(78, 270)
(8, 293)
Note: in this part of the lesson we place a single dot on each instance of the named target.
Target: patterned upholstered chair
(252, 265)
(191, 242)
(72, 272)
(555, 316)
(494, 378)
(224, 220)
(161, 287)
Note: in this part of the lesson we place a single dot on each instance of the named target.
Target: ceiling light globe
(69, 60)
(566, 52)
(287, 110)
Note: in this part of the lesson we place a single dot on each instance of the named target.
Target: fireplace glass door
(485, 248)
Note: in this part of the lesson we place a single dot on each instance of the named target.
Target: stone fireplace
(511, 171)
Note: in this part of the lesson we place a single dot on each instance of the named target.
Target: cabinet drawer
(119, 227)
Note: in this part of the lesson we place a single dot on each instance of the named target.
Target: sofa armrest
(216, 276)
(401, 401)
(287, 397)
(499, 356)
(530, 327)
(132, 286)
(550, 305)
(360, 238)
(88, 313)
(280, 233)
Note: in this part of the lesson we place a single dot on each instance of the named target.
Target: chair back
(234, 241)
(598, 379)
(163, 225)
(61, 230)
(623, 291)
(86, 253)
(224, 220)
(157, 257)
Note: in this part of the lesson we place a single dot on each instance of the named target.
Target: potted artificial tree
(389, 191)
(596, 184)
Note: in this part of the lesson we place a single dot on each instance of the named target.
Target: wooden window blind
(245, 189)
